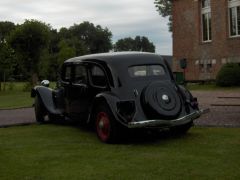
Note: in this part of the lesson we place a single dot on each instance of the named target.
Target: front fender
(46, 95)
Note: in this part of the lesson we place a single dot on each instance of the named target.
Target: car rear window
(146, 70)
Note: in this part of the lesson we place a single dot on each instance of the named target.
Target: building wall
(204, 58)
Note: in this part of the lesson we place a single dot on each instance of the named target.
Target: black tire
(182, 129)
(106, 125)
(40, 111)
(53, 118)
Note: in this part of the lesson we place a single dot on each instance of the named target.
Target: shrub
(229, 75)
(11, 86)
(27, 87)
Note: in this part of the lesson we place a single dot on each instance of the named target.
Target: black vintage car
(115, 90)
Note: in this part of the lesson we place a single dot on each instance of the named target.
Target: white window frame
(207, 11)
(233, 4)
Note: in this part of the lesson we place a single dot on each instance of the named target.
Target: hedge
(229, 75)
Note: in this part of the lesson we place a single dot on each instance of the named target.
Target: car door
(78, 93)
(66, 82)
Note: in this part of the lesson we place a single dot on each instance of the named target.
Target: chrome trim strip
(168, 123)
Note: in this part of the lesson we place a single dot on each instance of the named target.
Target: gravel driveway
(223, 108)
(227, 116)
(17, 117)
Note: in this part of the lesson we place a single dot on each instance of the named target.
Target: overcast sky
(124, 18)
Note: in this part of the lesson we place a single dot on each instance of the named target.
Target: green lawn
(16, 97)
(65, 152)
(210, 87)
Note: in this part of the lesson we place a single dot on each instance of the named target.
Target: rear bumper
(168, 123)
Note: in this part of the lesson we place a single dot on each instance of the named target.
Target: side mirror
(45, 83)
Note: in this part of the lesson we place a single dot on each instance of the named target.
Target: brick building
(207, 34)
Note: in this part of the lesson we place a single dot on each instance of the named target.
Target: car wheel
(182, 129)
(40, 111)
(54, 118)
(106, 125)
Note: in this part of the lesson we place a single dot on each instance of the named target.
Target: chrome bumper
(168, 123)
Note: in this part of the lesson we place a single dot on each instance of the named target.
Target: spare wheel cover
(160, 99)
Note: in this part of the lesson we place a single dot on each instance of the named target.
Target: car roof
(120, 58)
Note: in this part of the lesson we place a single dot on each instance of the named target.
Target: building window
(201, 67)
(209, 67)
(234, 17)
(205, 3)
(206, 21)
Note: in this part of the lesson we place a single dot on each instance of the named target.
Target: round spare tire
(160, 100)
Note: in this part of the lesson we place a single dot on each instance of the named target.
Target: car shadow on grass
(132, 136)
(153, 136)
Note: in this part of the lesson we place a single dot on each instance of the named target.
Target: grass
(15, 99)
(65, 152)
(15, 96)
(210, 87)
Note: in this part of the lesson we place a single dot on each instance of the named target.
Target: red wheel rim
(103, 126)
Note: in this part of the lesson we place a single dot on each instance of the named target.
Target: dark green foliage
(39, 50)
(85, 38)
(5, 29)
(48, 66)
(229, 75)
(29, 40)
(7, 57)
(164, 7)
(94, 38)
(7, 62)
(66, 51)
(137, 44)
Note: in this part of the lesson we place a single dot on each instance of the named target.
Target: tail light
(194, 103)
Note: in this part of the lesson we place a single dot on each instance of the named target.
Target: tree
(7, 57)
(39, 50)
(126, 44)
(95, 38)
(137, 44)
(7, 61)
(29, 40)
(5, 28)
(53, 41)
(65, 52)
(164, 7)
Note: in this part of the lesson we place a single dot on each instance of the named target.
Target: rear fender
(108, 99)
(46, 95)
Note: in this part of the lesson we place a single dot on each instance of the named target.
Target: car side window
(66, 76)
(80, 75)
(98, 77)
